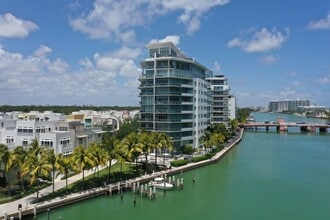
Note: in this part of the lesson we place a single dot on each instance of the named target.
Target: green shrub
(200, 158)
(178, 163)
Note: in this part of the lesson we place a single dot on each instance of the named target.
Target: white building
(50, 129)
(178, 95)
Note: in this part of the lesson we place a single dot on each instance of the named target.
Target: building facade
(176, 96)
(223, 105)
(287, 105)
(50, 129)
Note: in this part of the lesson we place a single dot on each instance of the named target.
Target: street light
(48, 210)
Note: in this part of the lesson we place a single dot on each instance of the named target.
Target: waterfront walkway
(25, 202)
(11, 208)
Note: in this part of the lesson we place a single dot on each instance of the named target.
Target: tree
(35, 147)
(51, 158)
(217, 139)
(16, 160)
(188, 149)
(4, 159)
(206, 140)
(109, 143)
(99, 156)
(121, 153)
(133, 145)
(234, 125)
(63, 165)
(161, 142)
(145, 140)
(81, 159)
(127, 127)
(37, 167)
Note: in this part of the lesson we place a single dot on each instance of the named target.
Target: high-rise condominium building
(175, 94)
(223, 105)
(287, 105)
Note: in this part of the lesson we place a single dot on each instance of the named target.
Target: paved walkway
(12, 207)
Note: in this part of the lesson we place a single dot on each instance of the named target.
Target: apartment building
(50, 129)
(287, 105)
(176, 95)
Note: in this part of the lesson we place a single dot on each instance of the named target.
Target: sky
(88, 52)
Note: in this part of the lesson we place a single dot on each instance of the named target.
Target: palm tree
(167, 144)
(16, 160)
(133, 145)
(50, 154)
(81, 159)
(37, 167)
(145, 139)
(160, 141)
(4, 158)
(35, 147)
(234, 125)
(121, 153)
(63, 165)
(109, 143)
(206, 140)
(217, 139)
(99, 156)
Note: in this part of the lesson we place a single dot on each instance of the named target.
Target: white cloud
(269, 59)
(118, 20)
(325, 79)
(12, 27)
(297, 83)
(102, 79)
(261, 41)
(321, 24)
(217, 67)
(287, 93)
(42, 51)
(175, 39)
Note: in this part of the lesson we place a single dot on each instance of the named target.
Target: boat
(160, 183)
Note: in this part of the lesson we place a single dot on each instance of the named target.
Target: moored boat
(160, 183)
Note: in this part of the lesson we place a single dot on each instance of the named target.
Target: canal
(267, 176)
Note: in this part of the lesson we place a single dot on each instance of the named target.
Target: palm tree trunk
(38, 190)
(156, 152)
(146, 163)
(121, 171)
(109, 170)
(66, 181)
(53, 180)
(83, 179)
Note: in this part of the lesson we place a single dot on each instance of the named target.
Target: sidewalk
(11, 207)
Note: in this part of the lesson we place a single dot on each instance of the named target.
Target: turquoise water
(267, 176)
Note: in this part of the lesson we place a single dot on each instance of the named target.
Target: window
(9, 139)
(65, 141)
(25, 142)
(46, 142)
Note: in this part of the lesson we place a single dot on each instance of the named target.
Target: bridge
(284, 126)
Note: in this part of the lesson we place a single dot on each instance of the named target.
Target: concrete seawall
(76, 197)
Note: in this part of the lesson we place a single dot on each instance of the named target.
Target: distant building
(287, 105)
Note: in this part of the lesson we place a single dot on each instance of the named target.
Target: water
(267, 176)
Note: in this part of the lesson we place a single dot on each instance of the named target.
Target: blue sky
(88, 52)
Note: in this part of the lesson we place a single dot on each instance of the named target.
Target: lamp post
(48, 210)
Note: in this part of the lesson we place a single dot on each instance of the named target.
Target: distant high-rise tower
(287, 105)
